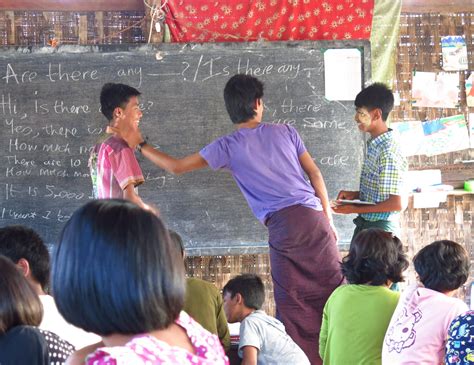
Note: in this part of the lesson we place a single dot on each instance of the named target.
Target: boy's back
(353, 334)
(419, 326)
(265, 164)
(268, 335)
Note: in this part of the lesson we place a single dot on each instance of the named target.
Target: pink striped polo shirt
(117, 167)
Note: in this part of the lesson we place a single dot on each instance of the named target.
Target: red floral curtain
(270, 20)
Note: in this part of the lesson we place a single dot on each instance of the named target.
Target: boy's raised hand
(132, 136)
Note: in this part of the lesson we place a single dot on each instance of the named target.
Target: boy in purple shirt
(268, 163)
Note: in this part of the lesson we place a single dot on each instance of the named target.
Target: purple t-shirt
(264, 162)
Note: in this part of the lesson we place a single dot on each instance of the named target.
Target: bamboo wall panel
(42, 28)
(420, 49)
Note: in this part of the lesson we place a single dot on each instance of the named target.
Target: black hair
(240, 94)
(177, 241)
(442, 265)
(19, 304)
(115, 270)
(250, 287)
(115, 95)
(20, 242)
(375, 256)
(376, 96)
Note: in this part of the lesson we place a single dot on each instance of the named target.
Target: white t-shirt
(54, 322)
(268, 335)
(419, 326)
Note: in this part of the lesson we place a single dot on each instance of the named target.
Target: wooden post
(11, 29)
(99, 23)
(150, 26)
(83, 29)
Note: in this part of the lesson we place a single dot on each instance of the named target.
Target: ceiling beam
(437, 6)
(408, 6)
(73, 5)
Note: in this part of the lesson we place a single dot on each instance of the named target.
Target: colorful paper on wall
(470, 90)
(471, 128)
(411, 137)
(438, 90)
(445, 135)
(454, 53)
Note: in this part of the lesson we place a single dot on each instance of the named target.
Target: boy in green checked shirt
(381, 180)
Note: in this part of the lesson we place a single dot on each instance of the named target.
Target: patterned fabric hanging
(269, 20)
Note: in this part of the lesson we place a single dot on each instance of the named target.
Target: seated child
(356, 316)
(263, 339)
(419, 326)
(460, 344)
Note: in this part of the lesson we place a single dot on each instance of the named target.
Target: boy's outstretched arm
(249, 356)
(173, 165)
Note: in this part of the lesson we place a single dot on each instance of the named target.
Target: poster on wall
(437, 90)
(471, 129)
(445, 135)
(470, 91)
(342, 73)
(411, 131)
(454, 52)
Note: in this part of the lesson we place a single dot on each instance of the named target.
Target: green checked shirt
(382, 174)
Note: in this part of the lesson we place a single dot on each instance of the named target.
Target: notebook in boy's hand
(355, 201)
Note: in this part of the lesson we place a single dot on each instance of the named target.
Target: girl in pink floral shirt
(146, 349)
(117, 274)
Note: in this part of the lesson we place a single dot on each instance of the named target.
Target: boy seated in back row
(263, 339)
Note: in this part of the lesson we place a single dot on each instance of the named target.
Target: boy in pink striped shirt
(118, 171)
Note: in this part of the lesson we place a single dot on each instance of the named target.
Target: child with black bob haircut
(419, 327)
(356, 316)
(117, 274)
(263, 339)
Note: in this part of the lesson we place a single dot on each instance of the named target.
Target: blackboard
(50, 118)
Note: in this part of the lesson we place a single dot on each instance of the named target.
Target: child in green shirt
(356, 316)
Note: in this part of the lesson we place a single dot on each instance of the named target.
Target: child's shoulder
(114, 143)
(428, 297)
(262, 319)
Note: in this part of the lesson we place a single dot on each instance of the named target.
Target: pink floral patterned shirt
(146, 349)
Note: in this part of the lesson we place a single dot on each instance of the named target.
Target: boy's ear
(24, 267)
(239, 299)
(257, 103)
(377, 114)
(118, 112)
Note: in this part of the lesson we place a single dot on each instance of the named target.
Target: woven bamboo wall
(420, 49)
(27, 28)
